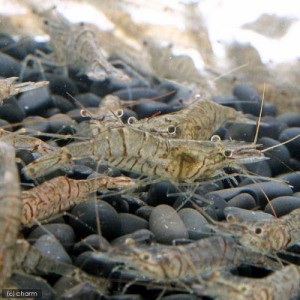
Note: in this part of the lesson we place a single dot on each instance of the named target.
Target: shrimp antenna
(260, 113)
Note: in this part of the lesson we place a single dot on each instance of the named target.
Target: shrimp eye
(120, 113)
(131, 120)
(258, 230)
(228, 153)
(171, 129)
(215, 138)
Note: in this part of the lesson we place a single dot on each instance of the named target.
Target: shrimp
(141, 152)
(267, 236)
(78, 46)
(10, 212)
(197, 121)
(172, 263)
(281, 284)
(61, 193)
(9, 87)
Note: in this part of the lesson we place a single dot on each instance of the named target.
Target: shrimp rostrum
(141, 152)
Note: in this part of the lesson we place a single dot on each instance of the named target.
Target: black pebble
(246, 92)
(89, 99)
(218, 204)
(161, 193)
(141, 236)
(25, 281)
(10, 67)
(283, 205)
(242, 200)
(240, 131)
(93, 242)
(62, 232)
(261, 168)
(151, 108)
(291, 119)
(35, 102)
(80, 172)
(144, 212)
(293, 146)
(166, 224)
(136, 93)
(91, 212)
(293, 179)
(11, 112)
(61, 85)
(242, 214)
(62, 124)
(180, 297)
(36, 123)
(278, 157)
(131, 223)
(64, 105)
(51, 247)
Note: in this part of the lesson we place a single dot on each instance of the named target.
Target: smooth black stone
(271, 127)
(141, 236)
(166, 224)
(35, 102)
(293, 179)
(80, 172)
(63, 284)
(50, 112)
(261, 168)
(240, 131)
(242, 200)
(193, 220)
(83, 291)
(76, 115)
(127, 113)
(170, 90)
(126, 297)
(62, 124)
(246, 92)
(241, 214)
(283, 205)
(25, 281)
(36, 123)
(278, 157)
(89, 99)
(291, 119)
(92, 212)
(117, 203)
(31, 46)
(294, 164)
(296, 194)
(133, 202)
(269, 110)
(258, 191)
(93, 242)
(131, 223)
(5, 40)
(161, 193)
(63, 104)
(12, 113)
(136, 93)
(13, 49)
(62, 232)
(293, 146)
(61, 85)
(51, 247)
(144, 212)
(95, 264)
(10, 67)
(186, 200)
(218, 204)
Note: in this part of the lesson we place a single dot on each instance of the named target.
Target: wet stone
(242, 214)
(88, 214)
(62, 232)
(218, 204)
(35, 102)
(25, 281)
(93, 242)
(12, 113)
(136, 93)
(88, 99)
(283, 205)
(180, 297)
(278, 157)
(161, 193)
(80, 172)
(291, 119)
(126, 297)
(36, 123)
(51, 247)
(61, 85)
(63, 104)
(195, 223)
(293, 179)
(62, 124)
(166, 224)
(294, 145)
(131, 223)
(242, 200)
(10, 67)
(144, 212)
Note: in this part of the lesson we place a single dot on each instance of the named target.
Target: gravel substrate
(158, 212)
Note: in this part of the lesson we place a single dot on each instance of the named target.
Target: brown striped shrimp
(61, 193)
(135, 150)
(197, 121)
(9, 87)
